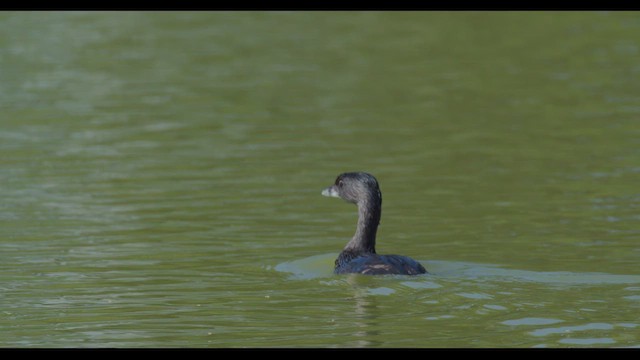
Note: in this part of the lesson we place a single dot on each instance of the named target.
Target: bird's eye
(340, 183)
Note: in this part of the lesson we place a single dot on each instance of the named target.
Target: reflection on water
(531, 321)
(367, 314)
(568, 329)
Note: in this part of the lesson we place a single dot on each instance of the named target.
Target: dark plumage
(359, 255)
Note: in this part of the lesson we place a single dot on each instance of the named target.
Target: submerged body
(359, 255)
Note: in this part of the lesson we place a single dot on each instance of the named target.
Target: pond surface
(161, 173)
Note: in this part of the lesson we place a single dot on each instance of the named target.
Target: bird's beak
(331, 191)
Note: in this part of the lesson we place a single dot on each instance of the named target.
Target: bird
(359, 255)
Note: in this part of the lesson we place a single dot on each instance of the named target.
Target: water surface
(161, 177)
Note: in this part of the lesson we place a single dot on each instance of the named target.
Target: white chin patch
(331, 192)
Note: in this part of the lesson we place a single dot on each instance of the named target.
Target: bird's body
(374, 264)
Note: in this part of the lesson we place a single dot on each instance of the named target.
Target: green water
(160, 178)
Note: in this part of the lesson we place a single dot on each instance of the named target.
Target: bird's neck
(369, 211)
